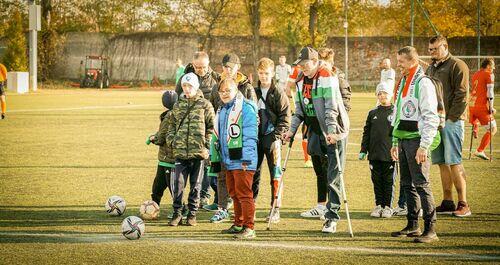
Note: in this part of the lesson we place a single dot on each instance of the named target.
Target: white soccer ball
(115, 205)
(149, 210)
(133, 227)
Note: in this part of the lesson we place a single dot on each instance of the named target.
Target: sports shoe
(429, 235)
(211, 207)
(329, 226)
(247, 233)
(446, 207)
(315, 212)
(308, 164)
(481, 155)
(3, 116)
(463, 210)
(220, 216)
(398, 211)
(411, 230)
(386, 212)
(191, 220)
(232, 230)
(275, 216)
(377, 211)
(176, 220)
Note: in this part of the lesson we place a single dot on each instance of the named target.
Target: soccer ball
(133, 227)
(149, 210)
(115, 205)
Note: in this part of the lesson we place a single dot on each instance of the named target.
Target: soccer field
(64, 152)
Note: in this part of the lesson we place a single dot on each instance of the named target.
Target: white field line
(84, 108)
(271, 245)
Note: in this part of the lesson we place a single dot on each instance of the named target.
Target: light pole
(34, 27)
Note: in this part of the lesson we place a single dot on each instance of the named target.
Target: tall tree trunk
(313, 21)
(253, 9)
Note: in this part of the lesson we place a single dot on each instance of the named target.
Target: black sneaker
(411, 230)
(3, 116)
(191, 220)
(429, 234)
(446, 207)
(176, 220)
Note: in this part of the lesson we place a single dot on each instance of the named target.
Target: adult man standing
(283, 71)
(387, 74)
(415, 124)
(481, 108)
(207, 79)
(319, 105)
(454, 75)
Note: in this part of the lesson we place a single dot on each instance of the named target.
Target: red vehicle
(96, 72)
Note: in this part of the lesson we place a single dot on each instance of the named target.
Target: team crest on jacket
(234, 130)
(409, 109)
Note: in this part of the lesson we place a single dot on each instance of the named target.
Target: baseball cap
(230, 60)
(192, 79)
(307, 53)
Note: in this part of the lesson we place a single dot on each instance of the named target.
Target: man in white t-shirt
(283, 71)
(388, 74)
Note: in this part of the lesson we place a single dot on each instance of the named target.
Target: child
(234, 146)
(274, 116)
(166, 166)
(377, 143)
(189, 137)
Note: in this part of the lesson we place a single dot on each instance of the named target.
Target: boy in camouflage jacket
(189, 137)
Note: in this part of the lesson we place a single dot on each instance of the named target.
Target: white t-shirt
(282, 73)
(261, 104)
(388, 76)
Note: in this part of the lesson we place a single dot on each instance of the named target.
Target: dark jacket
(278, 108)
(207, 82)
(191, 128)
(165, 153)
(345, 88)
(454, 75)
(244, 86)
(377, 141)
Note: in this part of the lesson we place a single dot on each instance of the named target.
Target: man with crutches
(319, 105)
(481, 108)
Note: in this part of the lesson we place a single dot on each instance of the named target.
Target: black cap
(307, 53)
(230, 59)
(169, 98)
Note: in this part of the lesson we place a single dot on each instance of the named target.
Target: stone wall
(140, 56)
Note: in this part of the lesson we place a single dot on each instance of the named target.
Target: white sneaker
(329, 226)
(398, 211)
(386, 212)
(481, 155)
(315, 212)
(377, 211)
(275, 216)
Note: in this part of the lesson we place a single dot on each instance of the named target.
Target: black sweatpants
(383, 181)
(320, 164)
(163, 180)
(192, 170)
(264, 148)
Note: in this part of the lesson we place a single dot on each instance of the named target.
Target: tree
(253, 10)
(15, 57)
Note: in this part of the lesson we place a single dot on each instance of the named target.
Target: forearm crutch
(344, 194)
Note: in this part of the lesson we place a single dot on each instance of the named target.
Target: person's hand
(362, 156)
(395, 153)
(287, 136)
(244, 166)
(421, 155)
(330, 139)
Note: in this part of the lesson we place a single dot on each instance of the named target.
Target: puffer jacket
(165, 153)
(191, 128)
(249, 130)
(244, 86)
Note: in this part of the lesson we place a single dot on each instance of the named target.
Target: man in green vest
(415, 134)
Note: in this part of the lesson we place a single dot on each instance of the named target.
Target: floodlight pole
(478, 33)
(346, 69)
(412, 22)
(34, 26)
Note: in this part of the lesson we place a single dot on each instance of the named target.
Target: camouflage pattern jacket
(191, 128)
(165, 153)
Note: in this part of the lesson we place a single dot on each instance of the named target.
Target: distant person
(454, 76)
(377, 143)
(179, 71)
(481, 104)
(387, 74)
(283, 71)
(189, 137)
(3, 84)
(415, 134)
